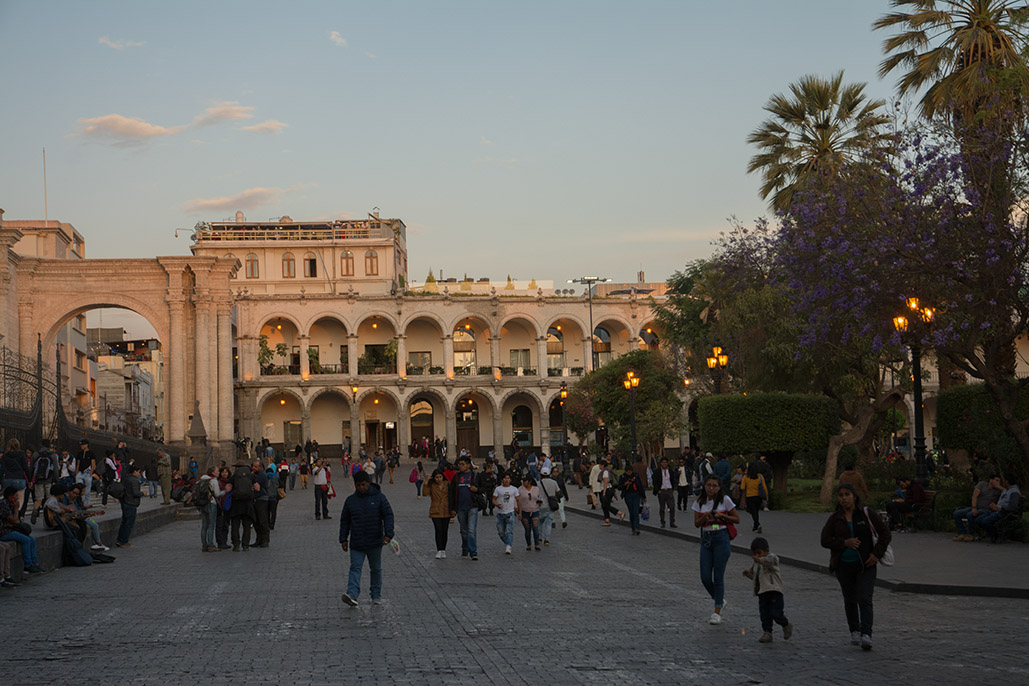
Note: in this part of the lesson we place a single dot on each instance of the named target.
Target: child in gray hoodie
(769, 589)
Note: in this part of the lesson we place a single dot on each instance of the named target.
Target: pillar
(352, 355)
(305, 425)
(356, 439)
(303, 340)
(498, 433)
(451, 435)
(634, 343)
(403, 428)
(213, 422)
(541, 356)
(401, 358)
(448, 356)
(226, 404)
(494, 354)
(587, 354)
(202, 367)
(175, 415)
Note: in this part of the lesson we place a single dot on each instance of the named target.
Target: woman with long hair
(754, 489)
(853, 557)
(713, 512)
(438, 491)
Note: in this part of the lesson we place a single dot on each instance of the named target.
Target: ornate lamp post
(631, 381)
(923, 318)
(717, 364)
(564, 425)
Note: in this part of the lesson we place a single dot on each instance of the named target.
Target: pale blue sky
(539, 139)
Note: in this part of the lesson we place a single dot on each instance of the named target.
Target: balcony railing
(365, 368)
(329, 369)
(517, 371)
(280, 370)
(323, 232)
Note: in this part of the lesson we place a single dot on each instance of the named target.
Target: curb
(897, 586)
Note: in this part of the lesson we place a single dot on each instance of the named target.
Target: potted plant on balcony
(312, 358)
(264, 355)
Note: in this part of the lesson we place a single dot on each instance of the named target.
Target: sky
(544, 140)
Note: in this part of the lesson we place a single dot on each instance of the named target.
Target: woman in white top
(713, 511)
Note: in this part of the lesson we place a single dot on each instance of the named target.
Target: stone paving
(597, 607)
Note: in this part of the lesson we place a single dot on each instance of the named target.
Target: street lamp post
(631, 381)
(717, 364)
(924, 315)
(589, 281)
(564, 425)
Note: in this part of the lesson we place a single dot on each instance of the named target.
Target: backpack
(242, 487)
(202, 493)
(44, 466)
(414, 475)
(116, 490)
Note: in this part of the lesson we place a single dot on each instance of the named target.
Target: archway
(424, 347)
(376, 337)
(378, 412)
(610, 340)
(518, 347)
(427, 417)
(467, 414)
(649, 338)
(330, 421)
(327, 347)
(282, 420)
(279, 351)
(556, 422)
(471, 347)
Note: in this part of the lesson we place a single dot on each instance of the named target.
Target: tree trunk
(861, 428)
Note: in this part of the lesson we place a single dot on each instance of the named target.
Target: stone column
(448, 356)
(541, 356)
(587, 354)
(355, 427)
(498, 433)
(634, 343)
(403, 429)
(305, 425)
(213, 422)
(304, 341)
(352, 353)
(226, 404)
(401, 357)
(451, 435)
(545, 434)
(175, 412)
(494, 355)
(202, 368)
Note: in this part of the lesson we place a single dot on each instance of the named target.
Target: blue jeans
(86, 479)
(770, 604)
(546, 521)
(151, 486)
(505, 527)
(531, 523)
(632, 503)
(208, 523)
(357, 558)
(468, 520)
(27, 545)
(714, 556)
(94, 530)
(128, 520)
(987, 519)
(960, 515)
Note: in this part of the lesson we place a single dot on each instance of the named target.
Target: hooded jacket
(366, 519)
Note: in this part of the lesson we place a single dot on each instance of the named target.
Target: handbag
(282, 494)
(732, 530)
(887, 559)
(645, 514)
(23, 528)
(552, 502)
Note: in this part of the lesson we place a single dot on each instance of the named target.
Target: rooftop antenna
(46, 209)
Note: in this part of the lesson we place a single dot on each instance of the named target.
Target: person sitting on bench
(914, 499)
(987, 492)
(1008, 504)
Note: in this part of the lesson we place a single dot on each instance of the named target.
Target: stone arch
(553, 319)
(427, 390)
(375, 313)
(327, 314)
(261, 399)
(383, 390)
(525, 317)
(301, 330)
(599, 320)
(51, 323)
(458, 395)
(431, 316)
(345, 392)
(448, 330)
(522, 391)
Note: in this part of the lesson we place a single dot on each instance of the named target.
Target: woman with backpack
(850, 535)
(221, 530)
(633, 494)
(206, 494)
(713, 513)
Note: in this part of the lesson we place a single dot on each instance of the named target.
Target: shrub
(968, 418)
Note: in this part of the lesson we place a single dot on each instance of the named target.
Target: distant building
(126, 395)
(146, 354)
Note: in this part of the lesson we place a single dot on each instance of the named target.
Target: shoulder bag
(887, 559)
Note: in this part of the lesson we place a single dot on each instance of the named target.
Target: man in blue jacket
(365, 525)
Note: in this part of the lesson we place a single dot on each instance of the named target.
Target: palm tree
(963, 50)
(822, 126)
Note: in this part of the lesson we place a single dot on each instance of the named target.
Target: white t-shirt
(726, 505)
(320, 477)
(506, 497)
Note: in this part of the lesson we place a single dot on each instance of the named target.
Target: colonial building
(336, 344)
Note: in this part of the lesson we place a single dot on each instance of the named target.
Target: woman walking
(631, 486)
(713, 512)
(529, 506)
(853, 557)
(607, 494)
(438, 491)
(754, 490)
(419, 478)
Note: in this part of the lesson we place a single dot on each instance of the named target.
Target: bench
(1010, 523)
(925, 516)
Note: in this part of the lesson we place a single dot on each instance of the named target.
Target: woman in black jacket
(853, 558)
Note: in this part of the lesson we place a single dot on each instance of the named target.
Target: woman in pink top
(529, 503)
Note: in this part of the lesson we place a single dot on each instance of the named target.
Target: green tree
(580, 416)
(820, 126)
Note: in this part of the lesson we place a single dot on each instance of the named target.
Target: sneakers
(376, 601)
(475, 558)
(507, 550)
(326, 517)
(855, 638)
(124, 545)
(546, 542)
(606, 523)
(442, 554)
(439, 554)
(8, 583)
(564, 525)
(33, 569)
(352, 602)
(756, 530)
(787, 631)
(715, 618)
(765, 637)
(537, 548)
(866, 642)
(235, 548)
(528, 548)
(101, 546)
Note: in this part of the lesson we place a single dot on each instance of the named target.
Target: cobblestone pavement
(597, 607)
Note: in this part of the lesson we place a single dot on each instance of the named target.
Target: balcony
(372, 368)
(329, 369)
(280, 370)
(517, 371)
(413, 370)
(275, 231)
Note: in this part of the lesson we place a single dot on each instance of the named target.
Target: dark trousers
(771, 606)
(754, 509)
(273, 510)
(441, 525)
(321, 497)
(221, 531)
(605, 503)
(665, 500)
(896, 511)
(261, 521)
(128, 520)
(684, 497)
(857, 583)
(104, 485)
(247, 523)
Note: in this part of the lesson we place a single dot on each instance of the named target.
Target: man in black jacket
(261, 505)
(365, 525)
(129, 503)
(465, 497)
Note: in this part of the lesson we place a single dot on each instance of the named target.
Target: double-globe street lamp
(717, 364)
(922, 319)
(564, 426)
(631, 381)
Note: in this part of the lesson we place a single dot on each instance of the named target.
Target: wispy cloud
(270, 126)
(370, 55)
(336, 38)
(249, 199)
(119, 44)
(485, 141)
(228, 110)
(121, 130)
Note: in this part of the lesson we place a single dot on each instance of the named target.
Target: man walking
(321, 491)
(664, 489)
(129, 504)
(241, 513)
(164, 474)
(505, 499)
(365, 525)
(261, 505)
(463, 489)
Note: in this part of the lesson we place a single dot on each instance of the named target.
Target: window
(310, 265)
(520, 358)
(231, 257)
(464, 348)
(555, 349)
(251, 266)
(371, 263)
(419, 359)
(347, 263)
(289, 266)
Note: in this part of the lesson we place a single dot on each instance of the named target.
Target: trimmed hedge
(967, 417)
(766, 422)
